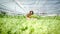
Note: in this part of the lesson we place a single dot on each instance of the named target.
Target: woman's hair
(30, 13)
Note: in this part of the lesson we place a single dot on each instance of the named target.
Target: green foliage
(2, 14)
(20, 25)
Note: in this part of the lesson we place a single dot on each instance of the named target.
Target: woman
(29, 14)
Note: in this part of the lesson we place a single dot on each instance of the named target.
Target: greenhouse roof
(24, 6)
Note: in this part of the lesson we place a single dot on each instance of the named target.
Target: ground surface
(20, 25)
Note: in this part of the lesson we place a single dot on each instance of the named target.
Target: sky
(24, 6)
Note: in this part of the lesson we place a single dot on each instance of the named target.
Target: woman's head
(31, 12)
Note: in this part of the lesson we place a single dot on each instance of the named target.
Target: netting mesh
(24, 6)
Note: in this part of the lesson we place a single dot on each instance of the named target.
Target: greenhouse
(29, 16)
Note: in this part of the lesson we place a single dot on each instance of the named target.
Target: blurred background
(14, 17)
(22, 7)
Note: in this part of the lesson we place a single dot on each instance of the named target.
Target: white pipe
(20, 5)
